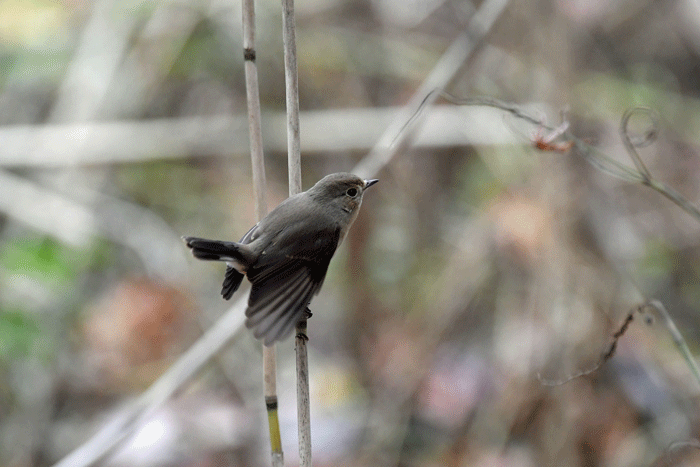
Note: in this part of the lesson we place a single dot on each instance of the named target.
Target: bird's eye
(352, 192)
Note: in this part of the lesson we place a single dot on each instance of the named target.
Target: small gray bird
(286, 255)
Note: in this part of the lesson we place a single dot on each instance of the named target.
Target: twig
(598, 159)
(607, 355)
(294, 163)
(440, 76)
(672, 329)
(677, 337)
(259, 185)
(113, 434)
(484, 101)
(547, 142)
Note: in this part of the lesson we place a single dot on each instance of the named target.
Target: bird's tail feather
(238, 256)
(215, 250)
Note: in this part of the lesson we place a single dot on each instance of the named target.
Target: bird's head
(343, 191)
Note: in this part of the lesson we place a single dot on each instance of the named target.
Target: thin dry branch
(607, 355)
(259, 185)
(113, 434)
(440, 76)
(597, 158)
(294, 166)
(677, 337)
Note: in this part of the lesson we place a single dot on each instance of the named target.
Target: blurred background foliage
(477, 263)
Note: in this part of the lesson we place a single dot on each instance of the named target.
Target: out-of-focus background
(476, 264)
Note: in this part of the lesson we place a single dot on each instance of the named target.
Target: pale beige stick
(294, 162)
(259, 185)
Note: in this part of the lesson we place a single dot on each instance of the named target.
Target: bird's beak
(369, 183)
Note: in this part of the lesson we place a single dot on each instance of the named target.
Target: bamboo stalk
(292, 93)
(253, 98)
(294, 165)
(259, 185)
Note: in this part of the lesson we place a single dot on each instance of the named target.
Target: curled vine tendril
(632, 142)
(598, 159)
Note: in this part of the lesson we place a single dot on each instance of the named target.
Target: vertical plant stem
(259, 185)
(253, 96)
(294, 162)
(292, 92)
(303, 398)
(270, 387)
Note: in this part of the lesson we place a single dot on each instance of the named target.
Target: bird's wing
(285, 282)
(249, 234)
(232, 280)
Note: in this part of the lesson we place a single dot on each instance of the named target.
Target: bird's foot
(301, 325)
